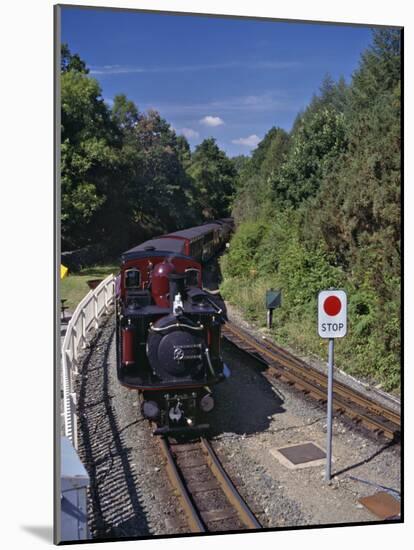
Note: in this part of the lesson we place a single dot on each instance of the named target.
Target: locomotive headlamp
(207, 403)
(151, 410)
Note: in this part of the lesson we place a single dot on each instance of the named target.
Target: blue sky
(226, 78)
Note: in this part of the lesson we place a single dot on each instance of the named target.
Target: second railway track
(282, 364)
(210, 500)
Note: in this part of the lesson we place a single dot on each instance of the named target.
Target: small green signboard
(273, 298)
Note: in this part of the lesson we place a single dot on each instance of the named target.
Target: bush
(268, 254)
(242, 259)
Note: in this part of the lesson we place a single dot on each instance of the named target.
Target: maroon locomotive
(169, 327)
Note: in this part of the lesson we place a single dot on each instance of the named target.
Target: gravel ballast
(248, 427)
(130, 493)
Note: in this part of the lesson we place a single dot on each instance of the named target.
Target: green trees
(214, 176)
(124, 114)
(87, 155)
(71, 62)
(255, 188)
(125, 174)
(329, 213)
(167, 193)
(316, 144)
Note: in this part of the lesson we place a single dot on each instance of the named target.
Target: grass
(74, 287)
(296, 329)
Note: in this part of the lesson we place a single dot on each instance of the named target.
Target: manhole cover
(382, 504)
(300, 455)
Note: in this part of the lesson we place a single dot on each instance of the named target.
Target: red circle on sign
(332, 305)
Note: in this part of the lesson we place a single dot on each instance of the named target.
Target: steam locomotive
(169, 328)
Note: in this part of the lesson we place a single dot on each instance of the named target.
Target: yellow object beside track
(63, 271)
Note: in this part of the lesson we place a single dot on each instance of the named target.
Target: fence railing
(85, 317)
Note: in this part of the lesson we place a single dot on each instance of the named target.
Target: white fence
(85, 317)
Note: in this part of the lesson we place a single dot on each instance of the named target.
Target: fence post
(95, 311)
(68, 366)
(106, 298)
(83, 337)
(75, 350)
(72, 344)
(74, 420)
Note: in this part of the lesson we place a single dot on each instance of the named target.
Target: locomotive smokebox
(177, 286)
(175, 349)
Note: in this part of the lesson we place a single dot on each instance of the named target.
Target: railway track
(290, 369)
(210, 500)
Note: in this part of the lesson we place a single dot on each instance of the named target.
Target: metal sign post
(329, 411)
(269, 318)
(332, 323)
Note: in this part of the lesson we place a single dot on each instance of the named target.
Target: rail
(361, 409)
(210, 500)
(85, 317)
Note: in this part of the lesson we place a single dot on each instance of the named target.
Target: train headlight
(150, 410)
(207, 403)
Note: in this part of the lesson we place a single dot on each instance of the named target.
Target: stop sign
(332, 313)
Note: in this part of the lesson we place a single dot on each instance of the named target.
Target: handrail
(87, 314)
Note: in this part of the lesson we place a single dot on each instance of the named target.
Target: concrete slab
(300, 455)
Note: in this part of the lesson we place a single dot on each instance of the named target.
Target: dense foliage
(125, 174)
(320, 208)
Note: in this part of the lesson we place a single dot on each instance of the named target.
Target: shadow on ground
(245, 402)
(366, 460)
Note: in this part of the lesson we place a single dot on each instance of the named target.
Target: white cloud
(212, 121)
(250, 141)
(189, 133)
(103, 70)
(275, 65)
(276, 101)
(114, 69)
